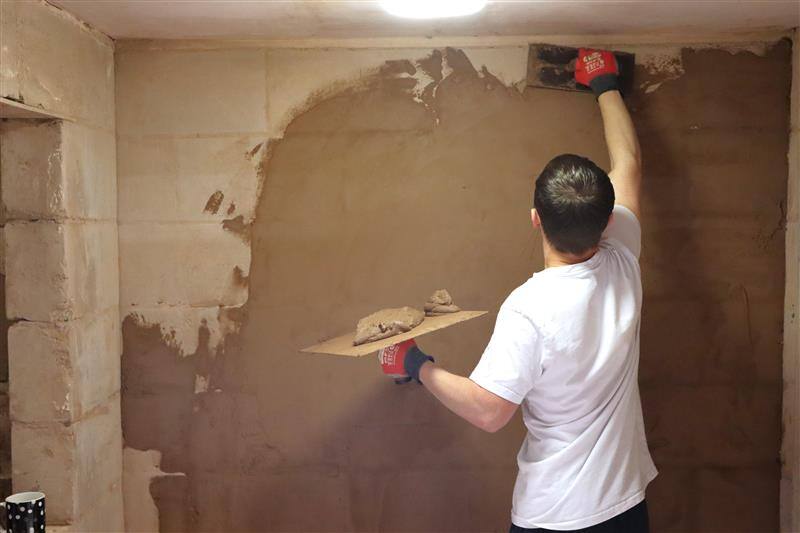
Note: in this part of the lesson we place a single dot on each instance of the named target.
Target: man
(566, 342)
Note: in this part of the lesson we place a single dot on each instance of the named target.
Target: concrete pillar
(60, 197)
(62, 288)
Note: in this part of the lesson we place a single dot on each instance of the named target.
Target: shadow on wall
(373, 199)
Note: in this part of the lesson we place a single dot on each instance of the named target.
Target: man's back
(566, 346)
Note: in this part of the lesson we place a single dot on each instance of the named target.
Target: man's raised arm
(623, 149)
(598, 70)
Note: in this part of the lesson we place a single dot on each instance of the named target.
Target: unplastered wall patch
(140, 468)
(507, 64)
(298, 78)
(189, 178)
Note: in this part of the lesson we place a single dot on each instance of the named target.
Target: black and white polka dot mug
(24, 513)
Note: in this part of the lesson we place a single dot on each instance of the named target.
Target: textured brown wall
(372, 200)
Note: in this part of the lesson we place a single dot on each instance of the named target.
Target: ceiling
(335, 19)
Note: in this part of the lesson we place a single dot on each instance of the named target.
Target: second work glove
(597, 69)
(402, 361)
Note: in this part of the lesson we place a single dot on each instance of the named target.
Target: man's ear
(537, 222)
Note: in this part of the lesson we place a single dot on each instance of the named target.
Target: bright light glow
(432, 9)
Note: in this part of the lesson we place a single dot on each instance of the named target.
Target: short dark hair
(574, 198)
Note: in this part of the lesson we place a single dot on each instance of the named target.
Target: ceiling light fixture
(431, 9)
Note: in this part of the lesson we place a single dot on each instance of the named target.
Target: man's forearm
(623, 150)
(467, 399)
(623, 146)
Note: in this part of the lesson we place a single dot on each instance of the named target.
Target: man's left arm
(467, 399)
(500, 382)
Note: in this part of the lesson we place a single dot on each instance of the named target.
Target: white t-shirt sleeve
(624, 228)
(511, 362)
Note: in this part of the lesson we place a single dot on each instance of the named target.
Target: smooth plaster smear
(449, 179)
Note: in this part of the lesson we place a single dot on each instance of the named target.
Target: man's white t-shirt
(566, 347)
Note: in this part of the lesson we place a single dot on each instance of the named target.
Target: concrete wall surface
(268, 198)
(61, 267)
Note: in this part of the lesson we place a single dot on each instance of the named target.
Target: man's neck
(554, 258)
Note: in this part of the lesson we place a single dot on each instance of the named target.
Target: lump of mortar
(441, 297)
(387, 322)
(440, 303)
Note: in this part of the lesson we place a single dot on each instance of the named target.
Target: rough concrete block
(62, 529)
(75, 78)
(37, 285)
(75, 465)
(88, 160)
(182, 264)
(196, 179)
(40, 362)
(9, 83)
(98, 442)
(5, 434)
(73, 367)
(31, 164)
(4, 325)
(106, 515)
(44, 459)
(228, 89)
(3, 215)
(57, 170)
(60, 271)
(92, 256)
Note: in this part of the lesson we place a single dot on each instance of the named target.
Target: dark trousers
(634, 520)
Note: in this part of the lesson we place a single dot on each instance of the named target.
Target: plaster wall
(790, 471)
(61, 267)
(268, 198)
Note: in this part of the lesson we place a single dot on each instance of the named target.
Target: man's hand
(403, 361)
(597, 69)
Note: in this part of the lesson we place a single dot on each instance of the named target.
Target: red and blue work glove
(402, 361)
(597, 69)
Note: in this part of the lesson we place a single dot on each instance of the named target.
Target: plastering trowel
(553, 67)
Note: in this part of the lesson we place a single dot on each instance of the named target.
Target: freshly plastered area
(270, 197)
